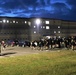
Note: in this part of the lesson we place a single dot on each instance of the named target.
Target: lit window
(58, 31)
(43, 27)
(4, 21)
(47, 22)
(29, 23)
(25, 22)
(58, 26)
(13, 21)
(47, 27)
(0, 21)
(54, 31)
(7, 21)
(34, 31)
(17, 22)
(59, 36)
(34, 26)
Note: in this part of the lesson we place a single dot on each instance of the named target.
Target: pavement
(17, 51)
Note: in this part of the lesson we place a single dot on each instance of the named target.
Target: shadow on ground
(8, 53)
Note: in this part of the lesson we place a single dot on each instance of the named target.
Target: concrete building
(34, 28)
(14, 28)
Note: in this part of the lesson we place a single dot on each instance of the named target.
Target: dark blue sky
(57, 9)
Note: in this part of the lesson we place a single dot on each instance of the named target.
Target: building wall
(14, 28)
(47, 27)
(59, 28)
(28, 29)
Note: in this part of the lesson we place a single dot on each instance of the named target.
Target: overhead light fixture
(38, 21)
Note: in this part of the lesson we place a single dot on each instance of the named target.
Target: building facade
(34, 28)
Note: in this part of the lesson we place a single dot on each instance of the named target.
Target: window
(25, 22)
(13, 21)
(4, 21)
(58, 31)
(34, 26)
(46, 22)
(54, 31)
(0, 21)
(58, 26)
(29, 23)
(7, 21)
(16, 21)
(47, 27)
(34, 31)
(59, 36)
(43, 27)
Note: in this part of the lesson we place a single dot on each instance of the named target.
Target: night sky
(57, 9)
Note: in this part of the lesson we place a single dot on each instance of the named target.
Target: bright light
(48, 37)
(38, 21)
(7, 21)
(25, 22)
(16, 21)
(58, 31)
(59, 36)
(47, 22)
(34, 26)
(13, 21)
(54, 31)
(47, 27)
(58, 26)
(34, 31)
(4, 21)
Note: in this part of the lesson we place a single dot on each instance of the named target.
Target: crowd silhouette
(46, 43)
(55, 42)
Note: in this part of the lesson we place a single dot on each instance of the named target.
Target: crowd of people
(47, 43)
(55, 42)
(13, 43)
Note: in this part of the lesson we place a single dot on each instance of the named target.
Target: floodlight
(38, 21)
